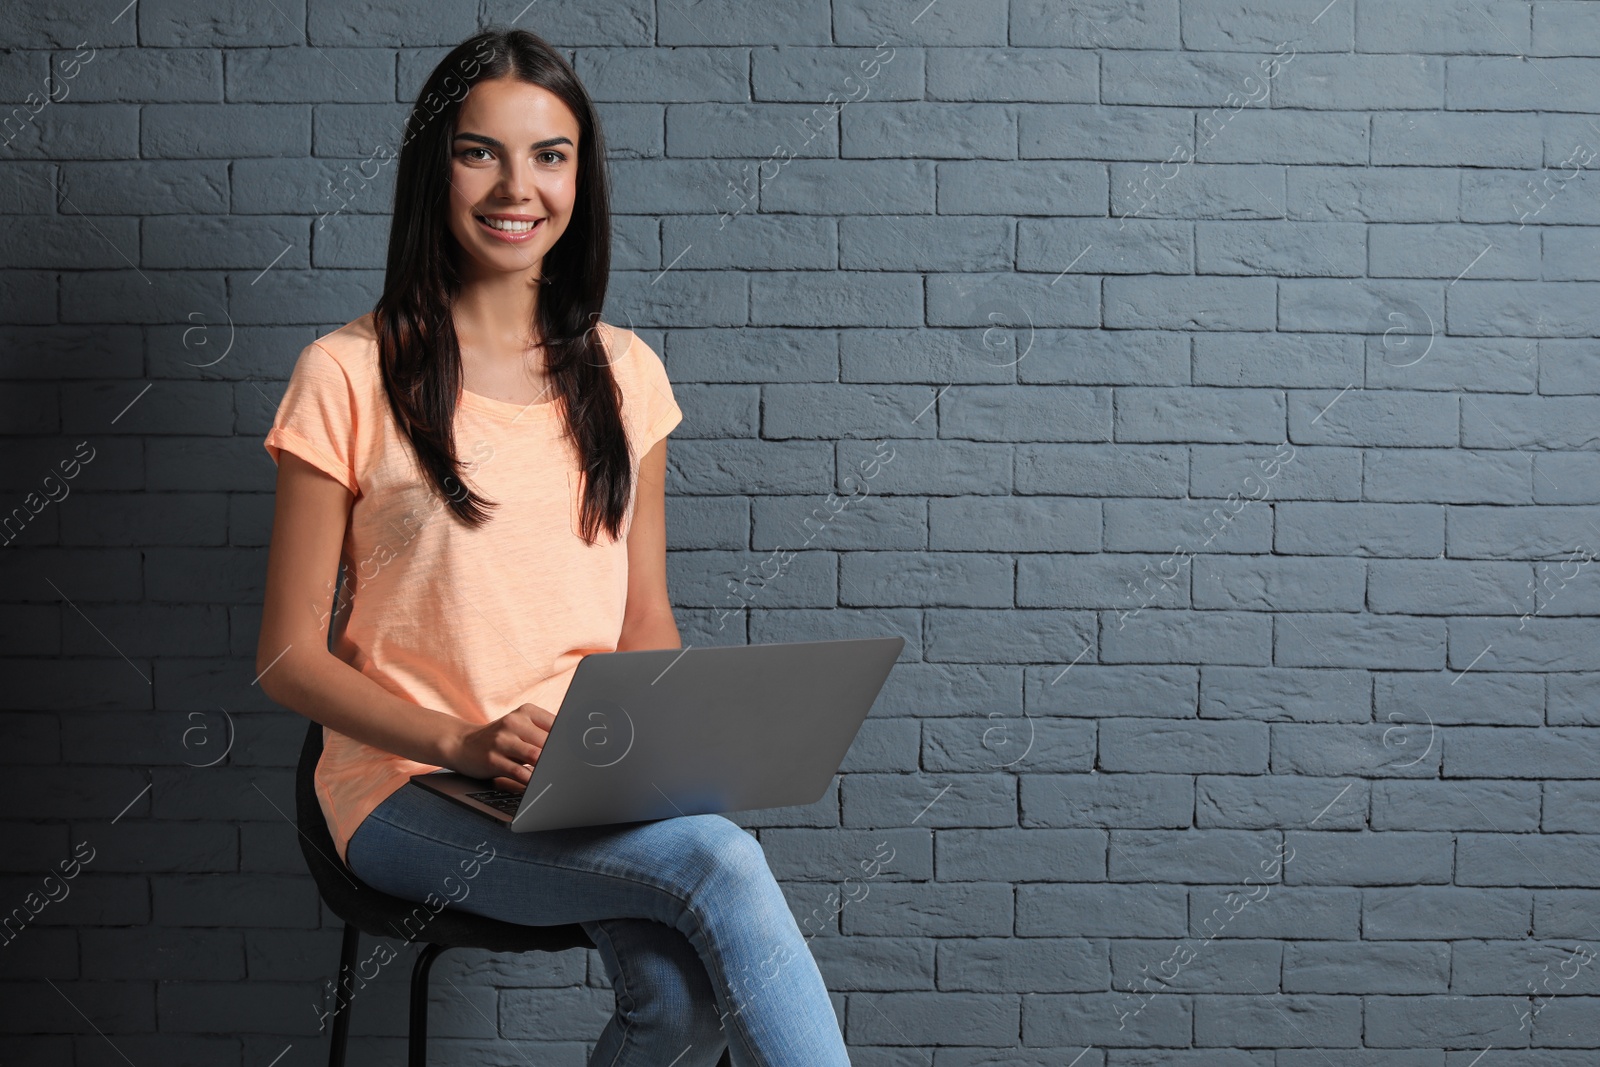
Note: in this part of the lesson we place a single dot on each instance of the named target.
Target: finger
(517, 751)
(519, 724)
(515, 770)
(540, 717)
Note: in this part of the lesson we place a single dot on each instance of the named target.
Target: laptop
(656, 733)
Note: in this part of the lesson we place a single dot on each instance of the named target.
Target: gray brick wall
(1240, 363)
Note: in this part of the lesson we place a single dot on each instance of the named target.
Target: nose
(516, 179)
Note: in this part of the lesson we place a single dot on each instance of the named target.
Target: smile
(509, 230)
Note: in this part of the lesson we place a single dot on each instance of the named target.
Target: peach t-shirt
(471, 622)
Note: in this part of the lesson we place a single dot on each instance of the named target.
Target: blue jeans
(697, 938)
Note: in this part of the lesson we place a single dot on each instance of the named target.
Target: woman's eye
(554, 156)
(468, 151)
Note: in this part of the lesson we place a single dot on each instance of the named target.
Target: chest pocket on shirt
(575, 510)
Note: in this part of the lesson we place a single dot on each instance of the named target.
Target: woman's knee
(721, 855)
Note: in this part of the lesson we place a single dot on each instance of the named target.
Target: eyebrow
(492, 143)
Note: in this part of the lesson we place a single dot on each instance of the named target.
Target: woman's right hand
(505, 751)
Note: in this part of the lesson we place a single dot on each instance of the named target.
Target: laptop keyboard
(499, 799)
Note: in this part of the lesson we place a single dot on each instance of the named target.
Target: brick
(1021, 413)
(1191, 855)
(1000, 965)
(1516, 752)
(1368, 858)
(884, 744)
(1104, 581)
(1278, 248)
(122, 1007)
(1284, 913)
(1401, 748)
(1362, 530)
(983, 187)
(942, 1017)
(795, 854)
(1365, 640)
(1177, 636)
(1088, 910)
(1443, 26)
(1506, 968)
(1188, 525)
(1564, 912)
(1189, 303)
(1342, 967)
(1260, 802)
(1433, 1022)
(972, 300)
(1027, 744)
(1504, 859)
(1020, 855)
(1014, 635)
(1271, 694)
(1176, 747)
(932, 909)
(176, 23)
(1139, 24)
(879, 963)
(1095, 690)
(964, 579)
(1304, 1020)
(1211, 967)
(1105, 1019)
(1254, 25)
(1507, 806)
(1448, 475)
(1569, 807)
(1120, 800)
(894, 800)
(1347, 82)
(1373, 194)
(1248, 583)
(1257, 135)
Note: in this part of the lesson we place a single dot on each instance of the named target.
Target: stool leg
(341, 1021)
(418, 1044)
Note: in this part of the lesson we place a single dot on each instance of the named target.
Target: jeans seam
(622, 974)
(727, 984)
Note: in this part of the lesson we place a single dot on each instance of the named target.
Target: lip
(509, 238)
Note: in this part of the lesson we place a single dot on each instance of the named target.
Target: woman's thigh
(702, 875)
(420, 846)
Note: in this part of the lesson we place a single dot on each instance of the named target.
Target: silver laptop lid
(656, 733)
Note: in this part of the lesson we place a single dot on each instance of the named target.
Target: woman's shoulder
(354, 346)
(629, 352)
(648, 402)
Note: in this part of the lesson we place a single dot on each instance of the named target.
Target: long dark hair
(418, 349)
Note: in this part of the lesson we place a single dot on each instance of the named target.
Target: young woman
(476, 582)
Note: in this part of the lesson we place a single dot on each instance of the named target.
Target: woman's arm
(293, 663)
(647, 621)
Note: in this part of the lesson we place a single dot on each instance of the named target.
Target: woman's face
(514, 158)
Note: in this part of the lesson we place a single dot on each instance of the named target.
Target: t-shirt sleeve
(317, 417)
(658, 411)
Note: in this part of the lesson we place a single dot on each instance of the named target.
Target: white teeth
(508, 225)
